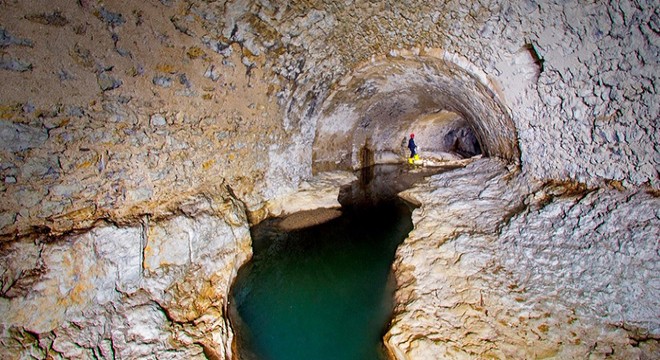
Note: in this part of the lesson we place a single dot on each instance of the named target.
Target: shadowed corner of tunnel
(368, 120)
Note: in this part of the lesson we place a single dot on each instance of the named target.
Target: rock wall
(599, 86)
(110, 109)
(149, 290)
(125, 109)
(112, 113)
(499, 266)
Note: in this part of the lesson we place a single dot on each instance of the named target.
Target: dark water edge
(325, 292)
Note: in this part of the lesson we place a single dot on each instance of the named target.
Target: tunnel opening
(453, 113)
(291, 299)
(440, 136)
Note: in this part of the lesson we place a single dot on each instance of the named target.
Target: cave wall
(506, 267)
(153, 289)
(234, 87)
(113, 112)
(124, 109)
(108, 110)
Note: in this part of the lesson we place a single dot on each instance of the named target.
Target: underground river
(326, 291)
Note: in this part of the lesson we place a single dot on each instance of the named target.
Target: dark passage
(325, 292)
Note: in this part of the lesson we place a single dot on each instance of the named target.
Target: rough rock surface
(319, 192)
(157, 289)
(115, 112)
(237, 92)
(499, 266)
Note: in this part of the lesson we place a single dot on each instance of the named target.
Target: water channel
(326, 291)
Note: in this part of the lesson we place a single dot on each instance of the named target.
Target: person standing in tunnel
(413, 149)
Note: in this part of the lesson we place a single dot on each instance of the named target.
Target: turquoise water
(324, 292)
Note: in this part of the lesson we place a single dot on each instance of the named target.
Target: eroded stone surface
(117, 112)
(156, 289)
(500, 266)
(247, 82)
(319, 192)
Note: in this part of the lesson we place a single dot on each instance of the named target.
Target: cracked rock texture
(117, 117)
(499, 266)
(237, 89)
(149, 290)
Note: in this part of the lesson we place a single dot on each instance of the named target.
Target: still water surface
(325, 292)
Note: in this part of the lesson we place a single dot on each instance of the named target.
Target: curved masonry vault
(141, 140)
(382, 102)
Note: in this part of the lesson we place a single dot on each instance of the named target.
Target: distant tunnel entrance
(368, 119)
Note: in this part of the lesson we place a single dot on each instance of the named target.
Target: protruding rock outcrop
(501, 266)
(127, 291)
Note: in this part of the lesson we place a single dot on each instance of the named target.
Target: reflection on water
(325, 292)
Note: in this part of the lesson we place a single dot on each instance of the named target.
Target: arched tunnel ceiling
(379, 102)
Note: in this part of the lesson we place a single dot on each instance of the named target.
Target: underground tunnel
(142, 141)
(326, 291)
(379, 105)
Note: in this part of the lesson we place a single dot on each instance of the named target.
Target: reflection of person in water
(412, 146)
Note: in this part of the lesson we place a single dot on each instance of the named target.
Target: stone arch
(379, 103)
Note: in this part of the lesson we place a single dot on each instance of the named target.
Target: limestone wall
(502, 267)
(154, 289)
(119, 111)
(596, 100)
(109, 109)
